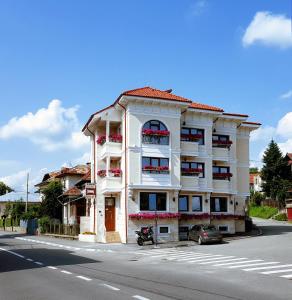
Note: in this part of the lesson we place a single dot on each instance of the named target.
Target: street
(249, 268)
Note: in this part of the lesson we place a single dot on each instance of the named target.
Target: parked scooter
(145, 235)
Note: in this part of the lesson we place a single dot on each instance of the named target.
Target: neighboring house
(156, 155)
(72, 180)
(255, 182)
(13, 197)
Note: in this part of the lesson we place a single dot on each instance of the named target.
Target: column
(107, 130)
(108, 160)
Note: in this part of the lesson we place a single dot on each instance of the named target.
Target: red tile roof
(149, 92)
(77, 170)
(196, 105)
(73, 191)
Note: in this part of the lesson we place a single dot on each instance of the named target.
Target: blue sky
(232, 54)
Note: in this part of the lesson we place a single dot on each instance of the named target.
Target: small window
(155, 165)
(223, 228)
(193, 169)
(193, 135)
(183, 203)
(221, 141)
(163, 229)
(218, 204)
(197, 203)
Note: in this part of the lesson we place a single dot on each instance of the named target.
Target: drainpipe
(126, 175)
(94, 178)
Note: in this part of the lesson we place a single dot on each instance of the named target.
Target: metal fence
(61, 229)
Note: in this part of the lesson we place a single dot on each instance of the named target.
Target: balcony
(222, 186)
(111, 181)
(190, 183)
(189, 148)
(110, 146)
(221, 154)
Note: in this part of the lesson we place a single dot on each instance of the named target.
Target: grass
(281, 217)
(264, 212)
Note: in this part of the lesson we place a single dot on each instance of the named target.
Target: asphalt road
(45, 268)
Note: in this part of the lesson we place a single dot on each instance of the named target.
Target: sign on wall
(90, 189)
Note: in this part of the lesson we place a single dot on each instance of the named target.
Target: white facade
(179, 197)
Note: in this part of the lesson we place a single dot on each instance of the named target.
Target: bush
(264, 212)
(44, 222)
(281, 217)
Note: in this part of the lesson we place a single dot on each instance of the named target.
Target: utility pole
(26, 204)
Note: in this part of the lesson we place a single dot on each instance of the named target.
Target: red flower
(101, 139)
(116, 138)
(116, 172)
(152, 168)
(150, 216)
(191, 137)
(101, 173)
(223, 143)
(155, 132)
(222, 175)
(192, 170)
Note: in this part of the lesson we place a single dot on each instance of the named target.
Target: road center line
(84, 278)
(11, 252)
(66, 272)
(110, 287)
(29, 259)
(52, 268)
(38, 263)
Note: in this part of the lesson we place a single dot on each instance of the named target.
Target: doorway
(110, 214)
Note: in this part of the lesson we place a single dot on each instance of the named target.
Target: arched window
(155, 132)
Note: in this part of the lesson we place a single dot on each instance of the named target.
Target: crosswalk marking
(221, 261)
(215, 260)
(265, 268)
(240, 262)
(210, 259)
(276, 271)
(256, 264)
(188, 257)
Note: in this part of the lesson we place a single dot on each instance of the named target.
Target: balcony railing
(114, 138)
(111, 173)
(156, 170)
(222, 176)
(221, 144)
(191, 171)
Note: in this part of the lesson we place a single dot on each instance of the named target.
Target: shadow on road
(275, 229)
(49, 257)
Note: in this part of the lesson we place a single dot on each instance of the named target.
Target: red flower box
(191, 137)
(116, 172)
(191, 170)
(197, 216)
(101, 139)
(151, 216)
(222, 175)
(152, 168)
(227, 217)
(101, 173)
(116, 138)
(222, 143)
(155, 132)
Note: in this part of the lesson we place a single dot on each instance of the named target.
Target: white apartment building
(158, 156)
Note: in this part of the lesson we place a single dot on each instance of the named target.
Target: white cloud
(287, 95)
(269, 30)
(263, 134)
(83, 159)
(52, 128)
(284, 127)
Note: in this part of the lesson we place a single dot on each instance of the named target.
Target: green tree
(51, 206)
(4, 188)
(253, 170)
(33, 212)
(274, 173)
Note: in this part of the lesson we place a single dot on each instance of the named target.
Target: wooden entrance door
(110, 215)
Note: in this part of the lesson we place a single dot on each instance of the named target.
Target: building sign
(90, 189)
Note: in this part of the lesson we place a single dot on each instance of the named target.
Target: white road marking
(250, 265)
(66, 272)
(84, 278)
(38, 263)
(110, 287)
(266, 268)
(287, 276)
(212, 259)
(239, 262)
(140, 297)
(183, 257)
(11, 252)
(52, 268)
(90, 250)
(29, 259)
(276, 271)
(203, 258)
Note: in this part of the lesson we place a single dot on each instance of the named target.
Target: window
(221, 173)
(197, 203)
(220, 140)
(218, 204)
(223, 228)
(192, 135)
(155, 132)
(183, 203)
(163, 229)
(192, 169)
(155, 165)
(153, 201)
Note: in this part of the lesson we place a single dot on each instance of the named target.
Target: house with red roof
(163, 159)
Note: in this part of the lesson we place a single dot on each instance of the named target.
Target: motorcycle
(145, 235)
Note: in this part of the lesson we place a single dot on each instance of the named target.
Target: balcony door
(110, 214)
